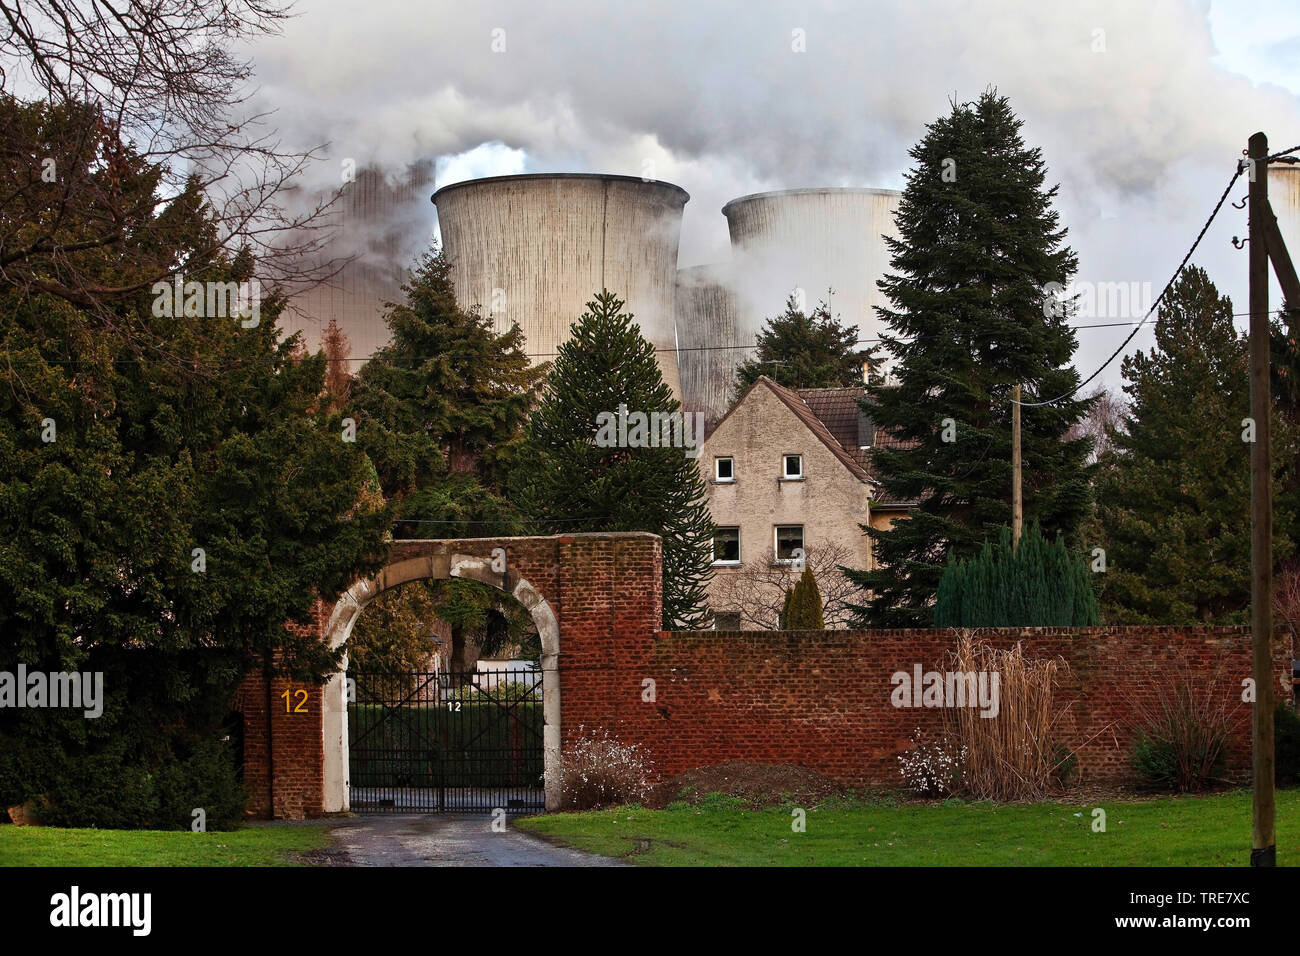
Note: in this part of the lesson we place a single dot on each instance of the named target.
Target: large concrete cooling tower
(535, 249)
(706, 339)
(814, 240)
(1284, 197)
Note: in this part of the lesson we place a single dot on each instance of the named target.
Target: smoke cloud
(1140, 117)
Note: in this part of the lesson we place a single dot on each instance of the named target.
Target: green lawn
(1176, 831)
(250, 846)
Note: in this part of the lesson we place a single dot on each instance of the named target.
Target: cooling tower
(706, 339)
(1284, 197)
(534, 249)
(378, 226)
(814, 240)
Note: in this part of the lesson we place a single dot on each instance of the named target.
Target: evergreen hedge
(1037, 584)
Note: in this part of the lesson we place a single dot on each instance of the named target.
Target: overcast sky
(1141, 109)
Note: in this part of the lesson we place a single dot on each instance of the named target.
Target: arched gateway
(596, 601)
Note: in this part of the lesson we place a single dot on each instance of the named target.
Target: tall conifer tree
(440, 411)
(1173, 501)
(805, 351)
(576, 482)
(969, 319)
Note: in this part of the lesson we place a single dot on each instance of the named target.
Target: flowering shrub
(599, 770)
(932, 769)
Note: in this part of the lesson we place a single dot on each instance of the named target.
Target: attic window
(866, 430)
(792, 466)
(724, 469)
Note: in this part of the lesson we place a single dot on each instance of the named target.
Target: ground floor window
(789, 538)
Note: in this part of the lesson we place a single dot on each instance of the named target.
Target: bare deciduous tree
(757, 590)
(1109, 411)
(1286, 595)
(153, 80)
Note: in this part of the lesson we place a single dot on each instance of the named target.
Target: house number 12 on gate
(300, 707)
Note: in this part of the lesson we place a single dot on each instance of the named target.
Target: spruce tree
(805, 351)
(574, 481)
(441, 409)
(978, 244)
(1173, 500)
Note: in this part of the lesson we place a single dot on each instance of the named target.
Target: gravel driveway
(441, 840)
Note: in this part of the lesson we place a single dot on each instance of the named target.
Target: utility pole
(1264, 845)
(1017, 496)
(1265, 234)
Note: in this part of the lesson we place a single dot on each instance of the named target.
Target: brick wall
(290, 754)
(822, 699)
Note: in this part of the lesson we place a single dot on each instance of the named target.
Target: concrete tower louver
(534, 249)
(709, 349)
(379, 225)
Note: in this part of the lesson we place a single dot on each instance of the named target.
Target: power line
(1169, 285)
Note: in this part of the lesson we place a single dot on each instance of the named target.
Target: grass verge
(249, 846)
(1173, 831)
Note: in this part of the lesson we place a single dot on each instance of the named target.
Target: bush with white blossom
(932, 768)
(599, 770)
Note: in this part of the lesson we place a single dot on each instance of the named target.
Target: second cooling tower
(825, 242)
(1284, 197)
(534, 249)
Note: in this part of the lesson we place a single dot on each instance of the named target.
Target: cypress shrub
(1038, 584)
(803, 605)
(1286, 744)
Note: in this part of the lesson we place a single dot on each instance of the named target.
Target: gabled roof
(831, 414)
(814, 424)
(837, 409)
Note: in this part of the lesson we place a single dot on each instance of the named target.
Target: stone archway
(596, 599)
(440, 563)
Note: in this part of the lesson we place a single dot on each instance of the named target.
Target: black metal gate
(445, 742)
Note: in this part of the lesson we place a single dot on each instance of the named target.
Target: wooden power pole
(1017, 496)
(1263, 846)
(1266, 245)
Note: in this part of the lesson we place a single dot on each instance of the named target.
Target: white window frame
(784, 459)
(718, 477)
(776, 543)
(728, 563)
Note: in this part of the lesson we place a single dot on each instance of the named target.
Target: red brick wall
(821, 699)
(291, 754)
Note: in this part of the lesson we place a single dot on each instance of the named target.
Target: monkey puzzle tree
(574, 482)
